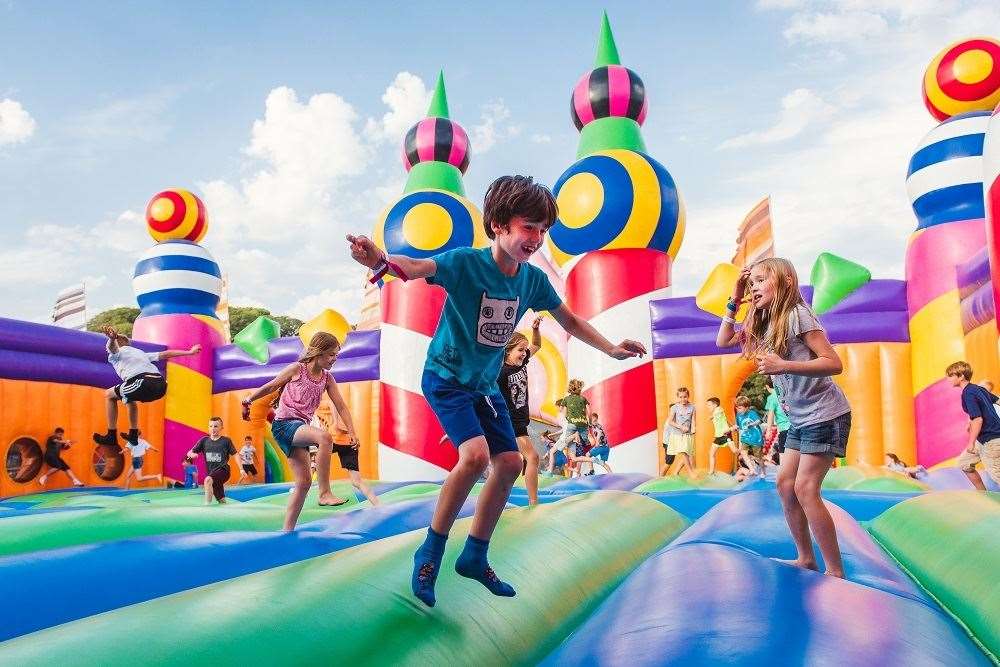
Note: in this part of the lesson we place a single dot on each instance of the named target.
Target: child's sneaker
(106, 439)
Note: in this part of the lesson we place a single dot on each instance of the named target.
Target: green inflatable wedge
(949, 542)
(254, 337)
(833, 278)
(355, 607)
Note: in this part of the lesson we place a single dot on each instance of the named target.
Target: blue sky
(287, 117)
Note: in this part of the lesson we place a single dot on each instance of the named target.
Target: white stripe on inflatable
(629, 319)
(955, 128)
(161, 280)
(641, 454)
(402, 357)
(395, 466)
(167, 249)
(945, 174)
(991, 153)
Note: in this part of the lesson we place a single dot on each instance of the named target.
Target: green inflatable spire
(436, 175)
(607, 51)
(609, 133)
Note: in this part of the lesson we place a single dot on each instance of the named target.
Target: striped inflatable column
(613, 289)
(431, 216)
(945, 186)
(991, 185)
(177, 285)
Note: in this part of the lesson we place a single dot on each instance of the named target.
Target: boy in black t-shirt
(984, 426)
(53, 457)
(217, 449)
(513, 384)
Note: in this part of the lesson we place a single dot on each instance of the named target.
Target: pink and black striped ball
(610, 91)
(438, 140)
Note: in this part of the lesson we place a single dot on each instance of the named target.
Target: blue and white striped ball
(177, 277)
(945, 178)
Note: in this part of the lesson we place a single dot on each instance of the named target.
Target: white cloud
(494, 127)
(799, 109)
(835, 27)
(407, 98)
(345, 300)
(16, 124)
(541, 139)
(139, 118)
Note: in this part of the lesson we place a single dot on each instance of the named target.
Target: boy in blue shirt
(984, 426)
(488, 290)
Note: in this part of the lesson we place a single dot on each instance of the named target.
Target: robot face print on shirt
(497, 318)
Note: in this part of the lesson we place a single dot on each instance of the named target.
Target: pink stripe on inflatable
(425, 139)
(581, 100)
(182, 331)
(177, 440)
(941, 422)
(991, 186)
(459, 145)
(619, 90)
(933, 256)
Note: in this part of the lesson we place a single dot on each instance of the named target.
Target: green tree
(119, 318)
(289, 325)
(754, 389)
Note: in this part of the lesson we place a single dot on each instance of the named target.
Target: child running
(489, 290)
(217, 449)
(302, 384)
(785, 339)
(248, 460)
(513, 384)
(720, 424)
(748, 422)
(600, 451)
(577, 413)
(142, 382)
(54, 447)
(138, 453)
(680, 431)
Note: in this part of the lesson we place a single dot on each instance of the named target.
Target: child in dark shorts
(785, 339)
(54, 447)
(217, 449)
(513, 384)
(488, 291)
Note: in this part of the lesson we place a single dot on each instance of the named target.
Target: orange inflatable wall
(34, 409)
(876, 379)
(981, 353)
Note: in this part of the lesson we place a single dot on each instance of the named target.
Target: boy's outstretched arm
(365, 252)
(170, 354)
(580, 328)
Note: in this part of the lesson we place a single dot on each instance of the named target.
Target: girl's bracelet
(731, 305)
(728, 320)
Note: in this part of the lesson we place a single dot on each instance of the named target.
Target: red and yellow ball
(176, 214)
(963, 77)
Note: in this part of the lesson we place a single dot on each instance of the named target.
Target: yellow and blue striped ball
(616, 199)
(423, 223)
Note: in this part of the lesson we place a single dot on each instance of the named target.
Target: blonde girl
(680, 431)
(302, 385)
(513, 384)
(782, 335)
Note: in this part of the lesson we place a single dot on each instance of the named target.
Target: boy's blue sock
(473, 564)
(426, 565)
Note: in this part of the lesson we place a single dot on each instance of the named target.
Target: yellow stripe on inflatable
(213, 322)
(645, 214)
(555, 376)
(936, 339)
(675, 244)
(189, 396)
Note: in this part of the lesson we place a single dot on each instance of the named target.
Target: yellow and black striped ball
(424, 223)
(616, 199)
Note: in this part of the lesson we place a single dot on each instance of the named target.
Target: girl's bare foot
(330, 500)
(831, 573)
(800, 562)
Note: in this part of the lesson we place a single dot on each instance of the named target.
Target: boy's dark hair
(683, 390)
(511, 197)
(960, 368)
(59, 429)
(248, 437)
(215, 419)
(715, 399)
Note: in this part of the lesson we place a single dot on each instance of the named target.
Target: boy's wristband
(384, 267)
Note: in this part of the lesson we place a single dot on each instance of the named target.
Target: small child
(785, 339)
(54, 447)
(720, 424)
(488, 291)
(513, 384)
(680, 430)
(346, 449)
(748, 422)
(142, 382)
(895, 464)
(138, 452)
(248, 460)
(777, 420)
(600, 451)
(984, 426)
(577, 412)
(217, 449)
(190, 473)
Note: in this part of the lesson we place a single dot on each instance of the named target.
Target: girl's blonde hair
(516, 339)
(575, 386)
(321, 343)
(766, 329)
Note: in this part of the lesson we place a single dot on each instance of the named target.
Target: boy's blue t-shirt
(978, 402)
(190, 476)
(480, 313)
(748, 422)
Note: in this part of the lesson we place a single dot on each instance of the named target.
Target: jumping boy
(489, 291)
(141, 383)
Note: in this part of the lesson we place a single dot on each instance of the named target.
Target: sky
(287, 118)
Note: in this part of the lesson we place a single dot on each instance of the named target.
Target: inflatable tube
(612, 482)
(953, 479)
(308, 604)
(771, 613)
(178, 562)
(950, 543)
(678, 483)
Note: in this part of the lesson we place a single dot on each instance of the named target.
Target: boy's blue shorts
(560, 458)
(600, 453)
(466, 414)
